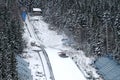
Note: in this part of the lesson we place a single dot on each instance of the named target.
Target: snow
(84, 63)
(37, 9)
(39, 37)
(33, 54)
(49, 38)
(63, 68)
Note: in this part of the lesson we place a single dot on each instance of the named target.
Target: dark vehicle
(63, 54)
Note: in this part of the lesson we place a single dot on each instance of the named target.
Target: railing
(45, 54)
(48, 61)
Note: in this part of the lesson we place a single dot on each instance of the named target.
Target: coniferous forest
(93, 24)
(11, 42)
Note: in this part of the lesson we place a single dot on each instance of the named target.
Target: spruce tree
(11, 42)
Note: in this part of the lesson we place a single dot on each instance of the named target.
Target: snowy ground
(37, 34)
(63, 68)
(34, 55)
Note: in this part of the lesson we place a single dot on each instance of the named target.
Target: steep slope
(53, 44)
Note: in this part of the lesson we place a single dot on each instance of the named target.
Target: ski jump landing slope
(63, 68)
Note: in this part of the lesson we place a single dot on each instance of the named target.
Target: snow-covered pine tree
(94, 18)
(11, 42)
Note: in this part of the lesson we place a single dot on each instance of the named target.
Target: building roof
(108, 68)
(37, 9)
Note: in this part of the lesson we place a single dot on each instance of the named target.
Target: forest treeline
(11, 42)
(94, 24)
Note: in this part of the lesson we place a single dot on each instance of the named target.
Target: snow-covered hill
(42, 53)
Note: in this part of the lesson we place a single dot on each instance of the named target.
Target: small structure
(108, 68)
(23, 10)
(37, 9)
(23, 15)
(36, 12)
(24, 73)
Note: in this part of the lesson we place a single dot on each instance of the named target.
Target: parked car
(62, 54)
